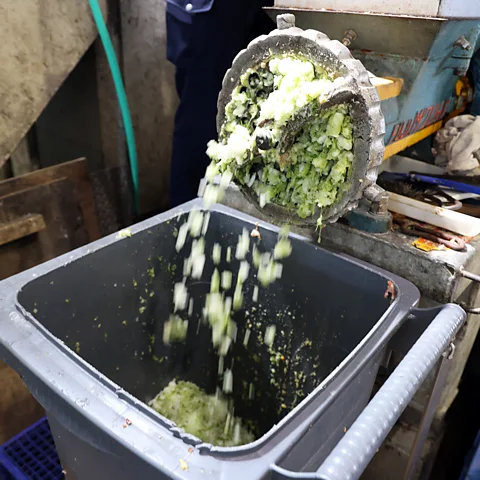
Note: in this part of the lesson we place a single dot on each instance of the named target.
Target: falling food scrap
(124, 233)
(128, 421)
(183, 464)
(255, 232)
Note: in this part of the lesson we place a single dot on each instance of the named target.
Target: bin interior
(109, 307)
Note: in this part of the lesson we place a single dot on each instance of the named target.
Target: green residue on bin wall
(126, 233)
(135, 284)
(77, 347)
(141, 310)
(67, 300)
(124, 323)
(151, 273)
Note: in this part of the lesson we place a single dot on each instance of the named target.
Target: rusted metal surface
(417, 229)
(375, 33)
(432, 8)
(40, 43)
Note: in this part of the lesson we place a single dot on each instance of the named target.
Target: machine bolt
(463, 43)
(286, 20)
(349, 37)
(378, 198)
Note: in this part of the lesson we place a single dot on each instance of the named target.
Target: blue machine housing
(430, 54)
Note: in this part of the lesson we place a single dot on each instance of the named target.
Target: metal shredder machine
(406, 65)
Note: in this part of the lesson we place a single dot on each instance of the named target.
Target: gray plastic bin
(84, 331)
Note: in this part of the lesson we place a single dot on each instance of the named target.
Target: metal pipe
(469, 275)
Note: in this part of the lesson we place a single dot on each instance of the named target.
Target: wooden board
(77, 172)
(63, 219)
(21, 228)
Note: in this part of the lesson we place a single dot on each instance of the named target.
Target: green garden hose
(121, 95)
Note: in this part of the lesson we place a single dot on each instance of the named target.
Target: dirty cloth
(457, 145)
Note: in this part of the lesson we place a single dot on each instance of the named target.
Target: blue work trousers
(475, 69)
(203, 38)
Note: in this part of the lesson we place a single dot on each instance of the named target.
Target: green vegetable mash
(313, 172)
(208, 417)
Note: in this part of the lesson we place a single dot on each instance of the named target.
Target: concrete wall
(40, 43)
(151, 94)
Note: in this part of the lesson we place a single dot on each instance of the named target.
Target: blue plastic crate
(31, 455)
(471, 470)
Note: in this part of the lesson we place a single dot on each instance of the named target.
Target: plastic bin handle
(352, 454)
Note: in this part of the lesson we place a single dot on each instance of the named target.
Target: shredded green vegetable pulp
(208, 417)
(313, 173)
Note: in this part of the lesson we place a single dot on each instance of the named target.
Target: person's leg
(215, 39)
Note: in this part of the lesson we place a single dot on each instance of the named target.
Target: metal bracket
(449, 353)
(475, 288)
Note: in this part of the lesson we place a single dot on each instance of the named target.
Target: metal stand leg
(428, 414)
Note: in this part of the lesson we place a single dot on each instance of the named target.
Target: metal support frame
(441, 375)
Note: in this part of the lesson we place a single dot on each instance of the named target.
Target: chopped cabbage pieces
(310, 175)
(208, 417)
